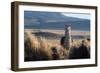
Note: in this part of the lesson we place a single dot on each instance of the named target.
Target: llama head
(67, 27)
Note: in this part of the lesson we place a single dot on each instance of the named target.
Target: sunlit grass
(42, 48)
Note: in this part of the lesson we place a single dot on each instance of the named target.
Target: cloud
(78, 15)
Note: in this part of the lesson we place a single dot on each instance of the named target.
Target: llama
(65, 41)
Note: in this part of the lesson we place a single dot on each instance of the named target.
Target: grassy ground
(38, 48)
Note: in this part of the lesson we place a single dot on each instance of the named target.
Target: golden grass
(42, 47)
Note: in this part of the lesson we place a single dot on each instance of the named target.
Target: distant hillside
(48, 35)
(53, 20)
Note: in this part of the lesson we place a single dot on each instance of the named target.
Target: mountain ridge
(53, 20)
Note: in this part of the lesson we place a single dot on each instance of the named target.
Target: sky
(78, 15)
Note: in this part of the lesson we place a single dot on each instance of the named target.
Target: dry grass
(77, 42)
(41, 48)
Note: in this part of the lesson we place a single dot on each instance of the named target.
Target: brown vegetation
(39, 48)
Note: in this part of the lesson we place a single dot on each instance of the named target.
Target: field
(44, 44)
